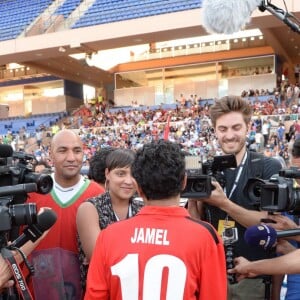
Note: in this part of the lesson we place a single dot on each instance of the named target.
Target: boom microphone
(266, 236)
(34, 231)
(227, 16)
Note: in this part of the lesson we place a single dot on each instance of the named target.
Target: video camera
(199, 179)
(16, 180)
(278, 194)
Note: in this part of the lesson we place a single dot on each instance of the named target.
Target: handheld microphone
(34, 231)
(230, 16)
(266, 236)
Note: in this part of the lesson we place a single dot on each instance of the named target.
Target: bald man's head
(67, 155)
(64, 135)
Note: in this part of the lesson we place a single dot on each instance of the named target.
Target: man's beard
(241, 143)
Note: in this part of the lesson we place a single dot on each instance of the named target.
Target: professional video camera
(17, 180)
(278, 194)
(199, 179)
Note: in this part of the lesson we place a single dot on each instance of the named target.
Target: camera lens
(23, 214)
(43, 182)
(257, 189)
(253, 190)
(199, 186)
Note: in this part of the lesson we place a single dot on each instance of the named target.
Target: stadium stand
(109, 11)
(30, 124)
(67, 7)
(15, 16)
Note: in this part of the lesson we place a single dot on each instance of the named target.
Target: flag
(167, 128)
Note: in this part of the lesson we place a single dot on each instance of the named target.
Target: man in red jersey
(55, 259)
(161, 253)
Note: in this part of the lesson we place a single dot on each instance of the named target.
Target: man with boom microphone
(231, 208)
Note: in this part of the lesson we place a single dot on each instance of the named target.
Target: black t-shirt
(269, 167)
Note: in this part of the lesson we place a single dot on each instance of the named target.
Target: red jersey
(55, 259)
(161, 253)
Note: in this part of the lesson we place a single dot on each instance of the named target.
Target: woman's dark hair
(120, 158)
(97, 165)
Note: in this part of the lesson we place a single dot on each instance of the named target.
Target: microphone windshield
(46, 219)
(5, 151)
(227, 16)
(261, 236)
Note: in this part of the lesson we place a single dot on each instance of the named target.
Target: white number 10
(128, 272)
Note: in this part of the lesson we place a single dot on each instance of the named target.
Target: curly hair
(98, 165)
(159, 169)
(229, 104)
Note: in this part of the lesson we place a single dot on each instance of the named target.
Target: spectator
(42, 166)
(158, 255)
(297, 130)
(265, 131)
(281, 132)
(259, 140)
(56, 257)
(291, 131)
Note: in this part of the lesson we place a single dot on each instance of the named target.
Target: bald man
(55, 260)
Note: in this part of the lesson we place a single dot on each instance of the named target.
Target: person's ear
(106, 173)
(184, 182)
(141, 194)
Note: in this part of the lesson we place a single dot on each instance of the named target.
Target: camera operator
(231, 208)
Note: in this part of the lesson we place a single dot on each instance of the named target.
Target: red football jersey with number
(161, 253)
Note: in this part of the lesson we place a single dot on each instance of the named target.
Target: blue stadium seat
(108, 11)
(31, 124)
(16, 15)
(67, 7)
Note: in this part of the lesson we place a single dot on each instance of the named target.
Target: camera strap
(17, 273)
(238, 176)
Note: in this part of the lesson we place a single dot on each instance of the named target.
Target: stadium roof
(50, 52)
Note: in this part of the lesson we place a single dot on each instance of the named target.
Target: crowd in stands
(188, 124)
